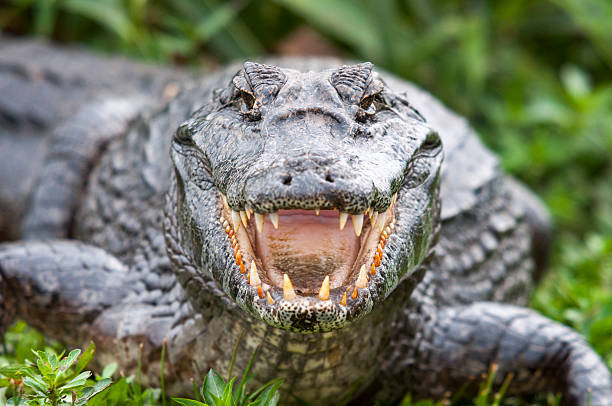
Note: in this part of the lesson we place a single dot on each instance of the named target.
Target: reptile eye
(369, 106)
(366, 103)
(183, 136)
(248, 101)
(432, 142)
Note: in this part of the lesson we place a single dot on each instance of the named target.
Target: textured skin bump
(351, 81)
(139, 270)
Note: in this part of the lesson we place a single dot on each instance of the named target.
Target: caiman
(343, 222)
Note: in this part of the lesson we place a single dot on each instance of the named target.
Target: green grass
(533, 76)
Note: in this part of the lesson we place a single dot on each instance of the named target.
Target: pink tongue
(307, 247)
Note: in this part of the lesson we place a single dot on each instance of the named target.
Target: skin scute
(354, 231)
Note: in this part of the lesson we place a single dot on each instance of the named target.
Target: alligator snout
(306, 183)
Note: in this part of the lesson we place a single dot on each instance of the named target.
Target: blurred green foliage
(533, 76)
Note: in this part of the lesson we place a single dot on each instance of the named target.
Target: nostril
(287, 180)
(329, 178)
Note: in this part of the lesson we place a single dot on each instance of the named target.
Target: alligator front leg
(59, 286)
(77, 292)
(542, 355)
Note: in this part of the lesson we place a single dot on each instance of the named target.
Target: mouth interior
(307, 247)
(326, 253)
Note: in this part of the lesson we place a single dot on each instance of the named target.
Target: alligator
(149, 205)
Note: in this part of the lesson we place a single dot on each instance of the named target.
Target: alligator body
(341, 221)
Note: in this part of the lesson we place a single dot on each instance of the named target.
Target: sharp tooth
(260, 292)
(274, 219)
(248, 212)
(354, 294)
(288, 292)
(224, 199)
(357, 223)
(253, 275)
(236, 220)
(373, 218)
(343, 300)
(324, 291)
(317, 210)
(380, 222)
(362, 280)
(270, 300)
(367, 211)
(343, 217)
(259, 221)
(244, 218)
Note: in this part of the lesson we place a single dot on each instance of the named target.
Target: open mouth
(320, 255)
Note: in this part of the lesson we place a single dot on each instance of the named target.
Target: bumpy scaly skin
(130, 282)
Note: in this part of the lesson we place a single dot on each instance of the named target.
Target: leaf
(269, 396)
(91, 391)
(188, 402)
(227, 393)
(267, 392)
(67, 361)
(86, 357)
(53, 362)
(77, 381)
(36, 383)
(213, 388)
(116, 394)
(109, 370)
(42, 362)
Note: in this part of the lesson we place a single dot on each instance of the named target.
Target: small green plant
(51, 379)
(127, 391)
(217, 391)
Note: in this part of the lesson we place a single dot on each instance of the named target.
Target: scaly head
(307, 196)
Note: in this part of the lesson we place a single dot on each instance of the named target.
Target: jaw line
(303, 313)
